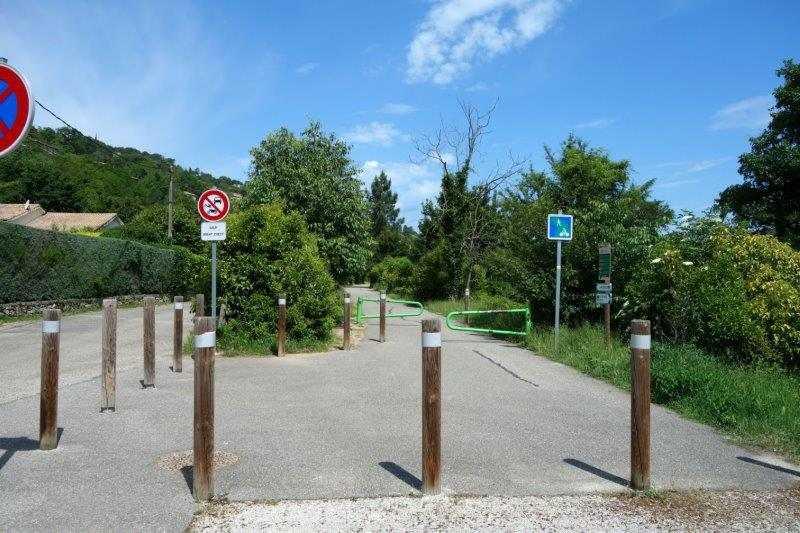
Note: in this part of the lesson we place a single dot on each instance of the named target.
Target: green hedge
(46, 265)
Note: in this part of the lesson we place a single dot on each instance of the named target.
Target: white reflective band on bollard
(431, 340)
(640, 342)
(281, 301)
(178, 305)
(347, 300)
(51, 326)
(206, 340)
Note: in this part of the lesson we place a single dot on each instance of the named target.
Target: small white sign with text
(212, 231)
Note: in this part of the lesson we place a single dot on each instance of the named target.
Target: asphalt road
(79, 360)
(347, 424)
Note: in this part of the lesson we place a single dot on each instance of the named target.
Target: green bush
(731, 293)
(393, 274)
(269, 252)
(47, 265)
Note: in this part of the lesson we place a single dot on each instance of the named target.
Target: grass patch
(758, 406)
(480, 301)
(234, 344)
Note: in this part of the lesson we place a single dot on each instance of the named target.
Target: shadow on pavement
(188, 476)
(768, 465)
(608, 476)
(11, 445)
(402, 474)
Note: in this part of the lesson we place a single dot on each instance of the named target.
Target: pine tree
(383, 206)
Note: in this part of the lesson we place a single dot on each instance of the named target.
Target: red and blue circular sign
(16, 108)
(213, 205)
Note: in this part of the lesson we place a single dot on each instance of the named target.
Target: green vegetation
(759, 405)
(768, 200)
(733, 294)
(150, 226)
(393, 274)
(64, 170)
(391, 236)
(45, 265)
(314, 175)
(270, 252)
(478, 302)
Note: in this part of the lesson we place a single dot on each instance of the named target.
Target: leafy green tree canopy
(383, 205)
(769, 198)
(314, 175)
(608, 208)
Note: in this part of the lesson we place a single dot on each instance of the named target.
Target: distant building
(33, 216)
(20, 213)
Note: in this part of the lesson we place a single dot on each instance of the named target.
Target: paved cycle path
(347, 424)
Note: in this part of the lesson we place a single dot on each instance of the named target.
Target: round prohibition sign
(213, 205)
(16, 108)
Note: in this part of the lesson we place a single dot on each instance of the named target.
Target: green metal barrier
(360, 316)
(452, 325)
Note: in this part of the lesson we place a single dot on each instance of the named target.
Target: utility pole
(171, 202)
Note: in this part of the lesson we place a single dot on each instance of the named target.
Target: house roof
(72, 221)
(12, 211)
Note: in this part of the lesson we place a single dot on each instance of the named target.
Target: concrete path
(342, 425)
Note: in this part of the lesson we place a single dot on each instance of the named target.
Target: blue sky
(675, 86)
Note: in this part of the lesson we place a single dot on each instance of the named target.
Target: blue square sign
(559, 227)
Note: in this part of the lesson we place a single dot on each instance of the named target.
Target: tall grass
(758, 405)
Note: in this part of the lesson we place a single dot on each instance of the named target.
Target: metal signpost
(16, 108)
(604, 287)
(559, 228)
(213, 206)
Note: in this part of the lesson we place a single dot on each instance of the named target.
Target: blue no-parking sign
(559, 227)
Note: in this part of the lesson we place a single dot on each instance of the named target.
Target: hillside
(64, 170)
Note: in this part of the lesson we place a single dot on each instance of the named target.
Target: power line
(67, 124)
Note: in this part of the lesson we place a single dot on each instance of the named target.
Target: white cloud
(413, 183)
(750, 113)
(706, 164)
(397, 109)
(598, 123)
(456, 33)
(477, 87)
(675, 183)
(380, 133)
(306, 68)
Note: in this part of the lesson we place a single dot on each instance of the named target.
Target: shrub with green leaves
(732, 293)
(47, 265)
(270, 252)
(393, 274)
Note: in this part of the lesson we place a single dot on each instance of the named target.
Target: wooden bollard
(281, 325)
(466, 305)
(205, 341)
(199, 305)
(382, 325)
(108, 379)
(48, 398)
(640, 404)
(346, 322)
(177, 336)
(431, 405)
(149, 342)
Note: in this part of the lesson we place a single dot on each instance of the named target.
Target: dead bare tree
(456, 149)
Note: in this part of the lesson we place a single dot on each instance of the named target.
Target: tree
(384, 212)
(608, 208)
(462, 223)
(314, 175)
(769, 199)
